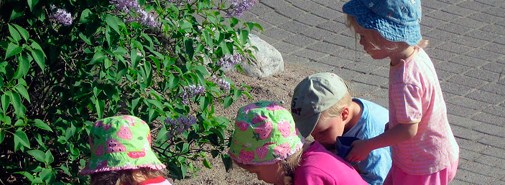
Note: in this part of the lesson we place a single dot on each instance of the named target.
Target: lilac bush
(162, 61)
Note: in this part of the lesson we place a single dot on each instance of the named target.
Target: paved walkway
(467, 45)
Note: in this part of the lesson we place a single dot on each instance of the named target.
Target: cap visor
(306, 125)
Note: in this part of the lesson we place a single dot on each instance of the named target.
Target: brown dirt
(275, 88)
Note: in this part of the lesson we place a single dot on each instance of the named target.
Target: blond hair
(351, 23)
(337, 108)
(124, 177)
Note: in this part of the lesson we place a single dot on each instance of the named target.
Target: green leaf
(21, 89)
(233, 22)
(37, 154)
(5, 100)
(188, 43)
(70, 132)
(152, 115)
(107, 63)
(100, 106)
(2, 135)
(22, 31)
(47, 175)
(23, 66)
(85, 16)
(32, 3)
(244, 36)
(12, 49)
(39, 55)
(3, 65)
(185, 148)
(113, 21)
(224, 47)
(134, 57)
(84, 38)
(162, 135)
(134, 104)
(41, 142)
(207, 164)
(26, 174)
(42, 125)
(65, 170)
(49, 158)
(20, 138)
(208, 39)
(185, 25)
(14, 34)
(202, 71)
(227, 162)
(252, 25)
(184, 170)
(20, 123)
(19, 108)
(227, 102)
(16, 13)
(97, 57)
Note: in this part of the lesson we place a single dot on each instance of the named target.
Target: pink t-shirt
(319, 166)
(415, 96)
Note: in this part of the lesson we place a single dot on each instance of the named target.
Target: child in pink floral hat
(121, 153)
(266, 142)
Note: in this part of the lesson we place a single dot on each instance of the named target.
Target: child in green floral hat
(121, 153)
(266, 142)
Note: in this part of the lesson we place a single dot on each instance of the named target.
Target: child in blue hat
(424, 150)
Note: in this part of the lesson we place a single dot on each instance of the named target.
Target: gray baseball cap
(312, 96)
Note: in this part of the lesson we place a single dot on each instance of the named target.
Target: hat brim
(306, 125)
(409, 33)
(148, 161)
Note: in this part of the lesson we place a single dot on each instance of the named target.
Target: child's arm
(399, 133)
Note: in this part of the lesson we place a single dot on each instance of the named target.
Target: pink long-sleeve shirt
(319, 166)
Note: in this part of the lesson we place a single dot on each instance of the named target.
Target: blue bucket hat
(395, 20)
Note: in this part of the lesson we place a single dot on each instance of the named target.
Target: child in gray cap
(323, 107)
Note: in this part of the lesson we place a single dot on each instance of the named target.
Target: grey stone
(268, 60)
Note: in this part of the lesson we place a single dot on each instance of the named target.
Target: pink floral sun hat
(264, 133)
(120, 143)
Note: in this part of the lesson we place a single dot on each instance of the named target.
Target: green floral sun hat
(264, 133)
(120, 143)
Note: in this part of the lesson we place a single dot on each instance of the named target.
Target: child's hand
(359, 151)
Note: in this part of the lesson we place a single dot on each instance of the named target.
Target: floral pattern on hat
(120, 143)
(264, 133)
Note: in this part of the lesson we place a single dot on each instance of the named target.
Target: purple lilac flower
(229, 61)
(62, 16)
(222, 83)
(238, 7)
(126, 5)
(145, 18)
(192, 91)
(181, 123)
(148, 19)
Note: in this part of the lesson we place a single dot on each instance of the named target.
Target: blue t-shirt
(371, 124)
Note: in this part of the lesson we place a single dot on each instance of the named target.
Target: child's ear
(345, 113)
